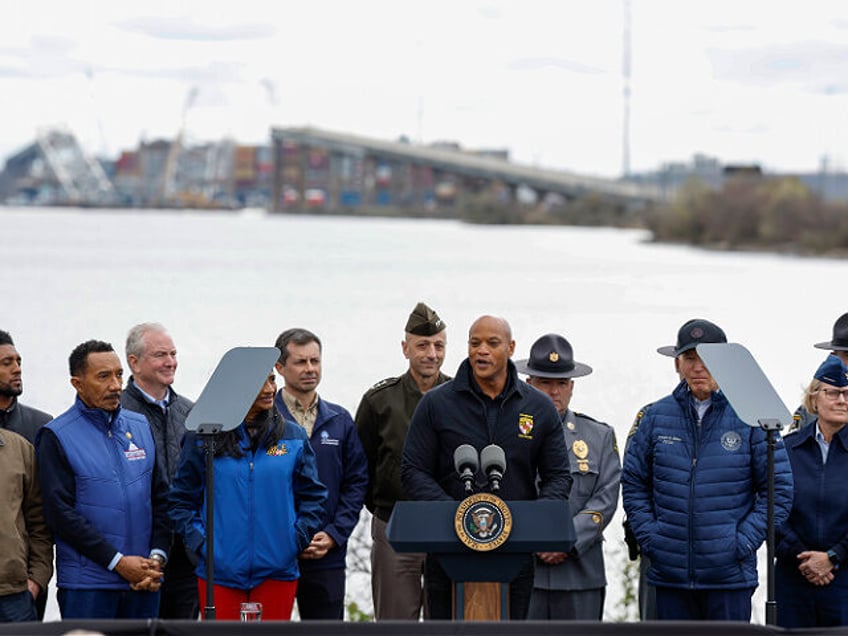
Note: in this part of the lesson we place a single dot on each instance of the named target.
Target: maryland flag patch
(525, 425)
(276, 451)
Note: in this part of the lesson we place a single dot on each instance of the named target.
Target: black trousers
(320, 594)
(179, 598)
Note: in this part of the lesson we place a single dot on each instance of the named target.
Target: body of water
(220, 280)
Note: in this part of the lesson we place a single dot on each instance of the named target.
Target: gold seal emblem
(583, 465)
(483, 522)
(570, 426)
(580, 449)
(553, 356)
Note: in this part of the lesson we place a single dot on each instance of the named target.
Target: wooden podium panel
(481, 601)
(481, 578)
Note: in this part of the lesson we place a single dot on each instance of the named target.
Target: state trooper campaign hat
(832, 371)
(691, 334)
(423, 321)
(840, 336)
(551, 356)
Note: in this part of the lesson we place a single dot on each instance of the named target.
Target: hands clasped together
(319, 546)
(143, 574)
(816, 567)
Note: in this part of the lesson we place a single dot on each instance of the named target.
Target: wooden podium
(481, 578)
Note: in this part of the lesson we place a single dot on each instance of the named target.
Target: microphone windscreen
(465, 456)
(492, 457)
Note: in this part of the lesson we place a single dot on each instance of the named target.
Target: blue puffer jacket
(696, 492)
(268, 504)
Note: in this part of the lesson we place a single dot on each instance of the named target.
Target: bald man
(485, 404)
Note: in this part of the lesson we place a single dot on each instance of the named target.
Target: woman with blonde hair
(812, 544)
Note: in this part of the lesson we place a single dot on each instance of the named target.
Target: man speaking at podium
(485, 404)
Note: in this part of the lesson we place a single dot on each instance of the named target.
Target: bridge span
(320, 168)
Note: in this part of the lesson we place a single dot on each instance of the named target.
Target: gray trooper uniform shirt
(596, 470)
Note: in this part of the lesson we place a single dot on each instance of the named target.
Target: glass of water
(251, 612)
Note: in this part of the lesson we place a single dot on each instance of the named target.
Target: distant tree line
(776, 214)
(749, 212)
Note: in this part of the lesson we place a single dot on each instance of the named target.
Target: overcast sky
(744, 81)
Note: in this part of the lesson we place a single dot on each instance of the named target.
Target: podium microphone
(466, 464)
(494, 464)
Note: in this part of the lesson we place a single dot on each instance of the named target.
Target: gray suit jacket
(596, 470)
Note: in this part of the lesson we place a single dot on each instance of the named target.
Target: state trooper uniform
(576, 588)
(838, 344)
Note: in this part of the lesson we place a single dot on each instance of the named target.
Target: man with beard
(15, 416)
(105, 496)
(27, 549)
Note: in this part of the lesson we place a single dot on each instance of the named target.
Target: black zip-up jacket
(23, 420)
(522, 420)
(168, 427)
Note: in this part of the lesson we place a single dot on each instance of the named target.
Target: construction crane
(167, 185)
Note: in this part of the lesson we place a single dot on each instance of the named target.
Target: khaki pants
(396, 578)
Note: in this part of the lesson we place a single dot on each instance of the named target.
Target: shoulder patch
(382, 384)
(588, 417)
(638, 419)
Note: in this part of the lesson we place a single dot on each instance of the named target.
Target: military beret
(423, 321)
(832, 371)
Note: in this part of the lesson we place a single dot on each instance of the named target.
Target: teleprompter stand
(481, 579)
(757, 404)
(221, 407)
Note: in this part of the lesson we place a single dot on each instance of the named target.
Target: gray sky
(745, 81)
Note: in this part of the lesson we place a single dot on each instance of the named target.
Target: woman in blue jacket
(811, 588)
(268, 505)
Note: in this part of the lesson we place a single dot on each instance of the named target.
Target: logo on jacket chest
(327, 440)
(278, 450)
(134, 453)
(731, 441)
(525, 425)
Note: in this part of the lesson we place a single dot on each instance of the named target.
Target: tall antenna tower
(625, 76)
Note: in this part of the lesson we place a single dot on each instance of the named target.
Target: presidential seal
(483, 522)
(731, 441)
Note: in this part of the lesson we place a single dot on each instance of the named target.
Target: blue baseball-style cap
(832, 371)
(693, 333)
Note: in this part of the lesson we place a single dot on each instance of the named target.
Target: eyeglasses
(833, 394)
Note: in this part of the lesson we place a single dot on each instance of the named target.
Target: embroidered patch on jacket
(525, 425)
(279, 449)
(731, 441)
(327, 440)
(134, 453)
(635, 426)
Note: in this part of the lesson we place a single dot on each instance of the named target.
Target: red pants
(277, 598)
